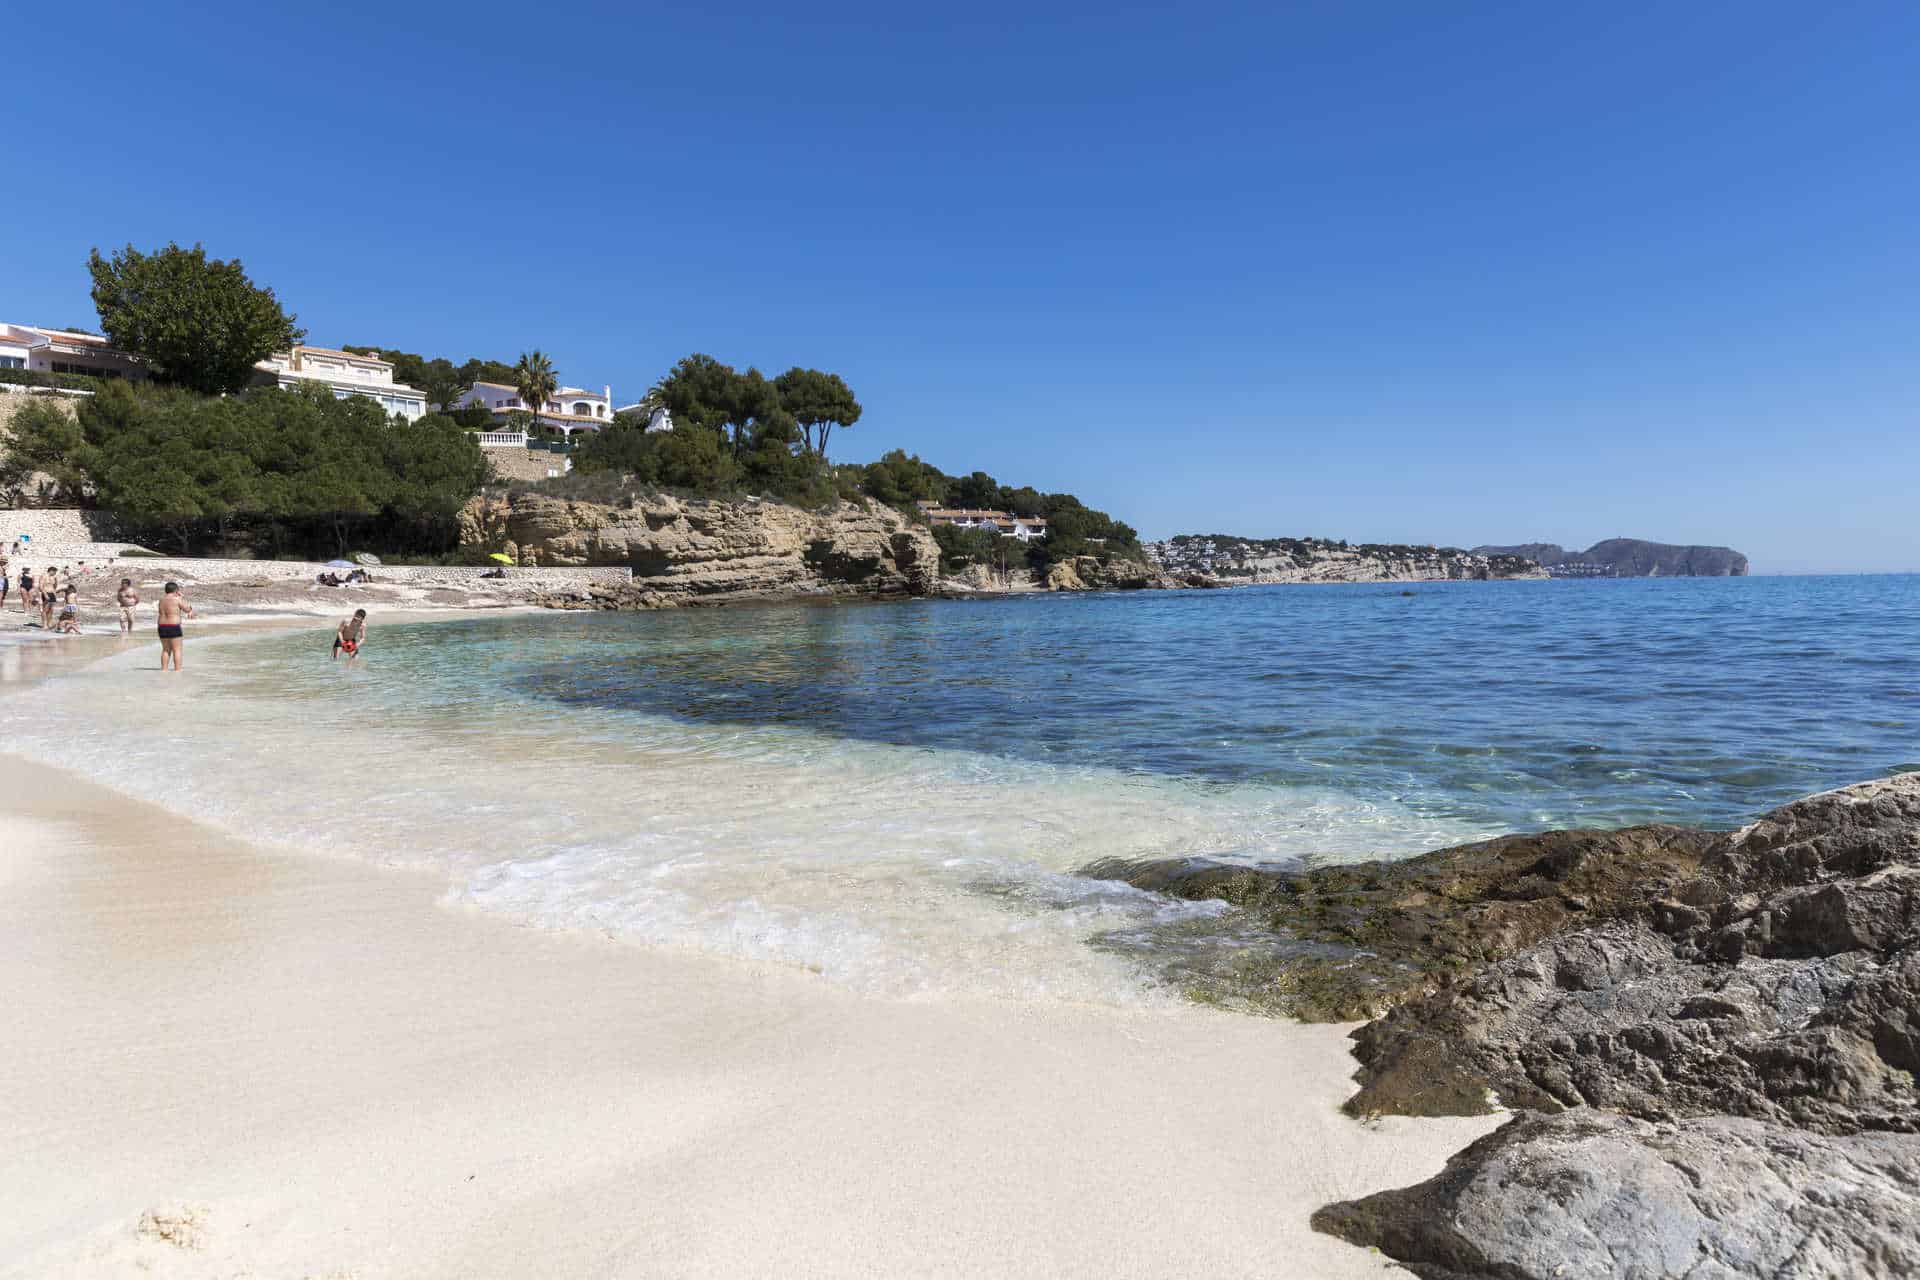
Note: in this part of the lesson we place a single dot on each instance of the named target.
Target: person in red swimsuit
(347, 638)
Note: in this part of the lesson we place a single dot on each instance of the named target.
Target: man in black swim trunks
(349, 634)
(173, 611)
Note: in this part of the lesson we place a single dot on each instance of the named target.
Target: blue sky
(1385, 271)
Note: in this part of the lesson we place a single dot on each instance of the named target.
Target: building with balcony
(344, 374)
(30, 347)
(568, 410)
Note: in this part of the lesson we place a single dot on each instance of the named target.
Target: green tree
(754, 413)
(442, 383)
(818, 402)
(899, 480)
(486, 371)
(47, 457)
(975, 491)
(694, 459)
(695, 392)
(534, 379)
(196, 322)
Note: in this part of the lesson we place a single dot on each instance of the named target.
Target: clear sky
(1383, 271)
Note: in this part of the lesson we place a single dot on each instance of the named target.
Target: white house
(657, 416)
(28, 346)
(345, 374)
(568, 410)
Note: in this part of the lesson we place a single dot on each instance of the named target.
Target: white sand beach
(220, 1061)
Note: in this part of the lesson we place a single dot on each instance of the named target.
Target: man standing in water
(173, 611)
(347, 639)
(126, 598)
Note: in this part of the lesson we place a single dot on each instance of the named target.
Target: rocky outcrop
(1090, 573)
(1715, 1037)
(1253, 561)
(698, 551)
(1629, 558)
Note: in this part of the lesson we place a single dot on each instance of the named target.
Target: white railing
(501, 439)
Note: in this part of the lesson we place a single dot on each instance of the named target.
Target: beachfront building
(568, 410)
(344, 374)
(31, 347)
(1025, 528)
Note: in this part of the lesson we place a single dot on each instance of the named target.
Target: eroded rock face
(1729, 1067)
(693, 551)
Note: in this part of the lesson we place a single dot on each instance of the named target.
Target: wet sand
(222, 1062)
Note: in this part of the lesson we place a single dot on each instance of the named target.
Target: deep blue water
(1508, 705)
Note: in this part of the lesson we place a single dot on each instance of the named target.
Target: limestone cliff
(1249, 561)
(699, 551)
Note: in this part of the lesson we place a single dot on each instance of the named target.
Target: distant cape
(1628, 558)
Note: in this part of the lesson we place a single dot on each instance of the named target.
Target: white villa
(568, 410)
(27, 346)
(1025, 528)
(344, 374)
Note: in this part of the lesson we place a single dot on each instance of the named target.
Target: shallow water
(899, 796)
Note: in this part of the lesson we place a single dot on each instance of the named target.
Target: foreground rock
(698, 551)
(1592, 1194)
(1716, 1036)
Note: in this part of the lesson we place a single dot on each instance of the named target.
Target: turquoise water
(901, 797)
(1508, 705)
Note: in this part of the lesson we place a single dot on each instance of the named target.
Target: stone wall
(524, 464)
(56, 528)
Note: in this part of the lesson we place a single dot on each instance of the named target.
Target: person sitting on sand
(69, 623)
(173, 610)
(347, 639)
(127, 598)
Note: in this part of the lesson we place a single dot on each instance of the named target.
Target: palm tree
(533, 377)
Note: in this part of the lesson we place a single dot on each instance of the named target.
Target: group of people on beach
(51, 594)
(52, 591)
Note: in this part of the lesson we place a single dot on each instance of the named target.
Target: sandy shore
(219, 1062)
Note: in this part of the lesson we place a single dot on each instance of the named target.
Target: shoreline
(229, 1061)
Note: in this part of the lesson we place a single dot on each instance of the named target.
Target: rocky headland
(686, 551)
(697, 551)
(1710, 1039)
(1240, 561)
(1628, 558)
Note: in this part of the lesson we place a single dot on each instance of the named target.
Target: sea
(902, 798)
